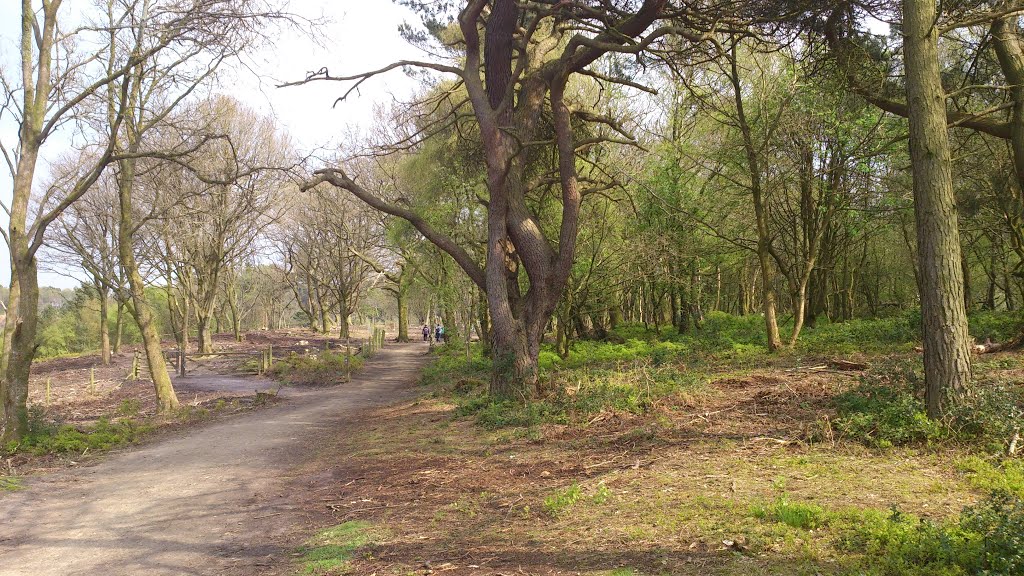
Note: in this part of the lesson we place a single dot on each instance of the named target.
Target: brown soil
(653, 491)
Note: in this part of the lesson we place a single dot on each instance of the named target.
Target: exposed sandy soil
(220, 499)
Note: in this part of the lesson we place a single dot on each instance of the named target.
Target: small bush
(561, 500)
(990, 415)
(493, 414)
(327, 367)
(998, 523)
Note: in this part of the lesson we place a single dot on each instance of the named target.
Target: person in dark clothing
(438, 334)
(426, 333)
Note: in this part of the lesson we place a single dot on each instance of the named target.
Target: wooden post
(135, 366)
(270, 356)
(47, 391)
(92, 380)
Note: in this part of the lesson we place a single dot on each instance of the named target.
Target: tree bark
(947, 359)
(104, 325)
(166, 399)
(402, 300)
(764, 257)
(118, 326)
(205, 333)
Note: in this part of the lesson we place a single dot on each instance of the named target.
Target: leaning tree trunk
(947, 360)
(166, 399)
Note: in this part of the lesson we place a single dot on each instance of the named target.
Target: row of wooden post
(374, 342)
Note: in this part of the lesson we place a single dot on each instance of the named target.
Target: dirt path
(208, 502)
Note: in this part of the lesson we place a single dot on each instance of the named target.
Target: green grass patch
(331, 550)
(10, 484)
(794, 514)
(988, 475)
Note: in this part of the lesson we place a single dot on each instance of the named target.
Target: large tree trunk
(166, 399)
(947, 360)
(19, 337)
(205, 329)
(343, 314)
(402, 300)
(22, 308)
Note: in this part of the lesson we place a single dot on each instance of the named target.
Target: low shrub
(987, 539)
(885, 410)
(327, 367)
(99, 437)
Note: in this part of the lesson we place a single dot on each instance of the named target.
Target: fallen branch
(989, 346)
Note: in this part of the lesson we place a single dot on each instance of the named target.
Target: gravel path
(210, 501)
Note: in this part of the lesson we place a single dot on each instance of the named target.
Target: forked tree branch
(339, 179)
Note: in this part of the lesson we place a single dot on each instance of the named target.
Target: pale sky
(360, 35)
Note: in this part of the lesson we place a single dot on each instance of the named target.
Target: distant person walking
(426, 333)
(438, 333)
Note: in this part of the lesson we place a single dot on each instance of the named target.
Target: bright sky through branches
(358, 35)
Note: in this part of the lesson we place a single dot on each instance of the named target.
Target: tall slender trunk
(104, 325)
(236, 320)
(402, 300)
(118, 326)
(166, 398)
(947, 360)
(760, 211)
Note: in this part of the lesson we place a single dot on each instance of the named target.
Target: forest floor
(212, 500)
(638, 463)
(740, 475)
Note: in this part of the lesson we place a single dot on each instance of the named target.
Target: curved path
(210, 501)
